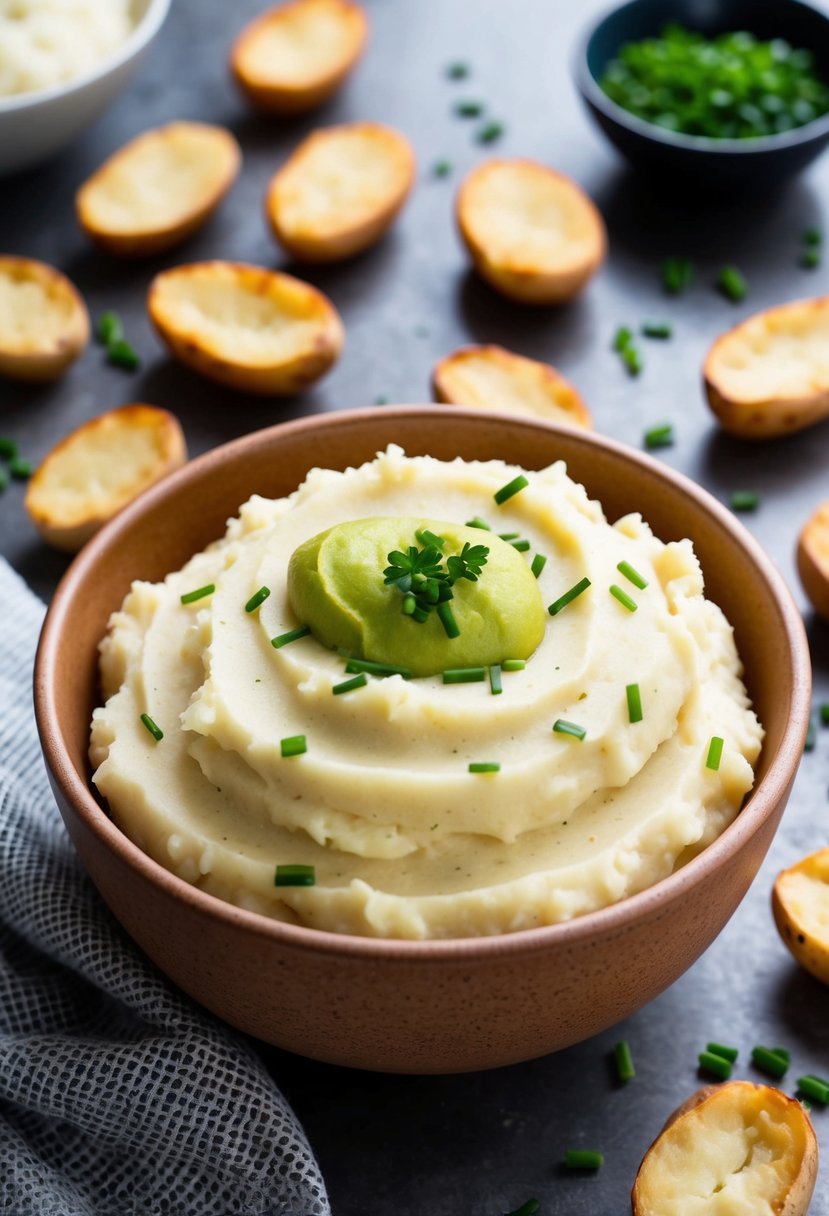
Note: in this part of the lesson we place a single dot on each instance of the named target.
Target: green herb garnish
(425, 577)
(469, 109)
(295, 876)
(633, 576)
(293, 635)
(110, 328)
(714, 753)
(623, 597)
(485, 766)
(121, 354)
(661, 436)
(538, 564)
(634, 700)
(720, 1049)
(490, 132)
(257, 598)
(441, 168)
(716, 1065)
(530, 1208)
(814, 1088)
(562, 727)
(624, 1062)
(568, 597)
(511, 489)
(810, 259)
(464, 675)
(155, 730)
(495, 686)
(190, 597)
(19, 469)
(677, 275)
(457, 70)
(770, 1061)
(8, 448)
(583, 1159)
(657, 329)
(376, 669)
(745, 500)
(477, 522)
(732, 284)
(513, 664)
(622, 339)
(358, 681)
(293, 745)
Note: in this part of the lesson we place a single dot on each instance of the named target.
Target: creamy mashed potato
(405, 841)
(47, 42)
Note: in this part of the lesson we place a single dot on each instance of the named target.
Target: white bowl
(33, 126)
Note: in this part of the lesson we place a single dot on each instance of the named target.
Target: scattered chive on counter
(293, 745)
(4, 481)
(562, 727)
(771, 1061)
(814, 1088)
(293, 635)
(721, 1049)
(295, 876)
(810, 259)
(458, 70)
(441, 168)
(630, 354)
(732, 284)
(358, 681)
(661, 436)
(490, 131)
(155, 730)
(657, 329)
(20, 469)
(511, 489)
(634, 702)
(568, 597)
(745, 500)
(484, 766)
(8, 448)
(677, 275)
(811, 254)
(257, 599)
(717, 1065)
(623, 597)
(633, 576)
(530, 1208)
(469, 109)
(121, 354)
(714, 756)
(200, 593)
(110, 328)
(583, 1159)
(624, 1062)
(732, 86)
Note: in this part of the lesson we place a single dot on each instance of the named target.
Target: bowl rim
(608, 921)
(139, 37)
(592, 92)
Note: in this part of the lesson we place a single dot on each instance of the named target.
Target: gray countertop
(478, 1144)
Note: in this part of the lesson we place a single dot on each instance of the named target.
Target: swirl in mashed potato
(404, 840)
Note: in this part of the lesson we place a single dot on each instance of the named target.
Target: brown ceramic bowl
(408, 1006)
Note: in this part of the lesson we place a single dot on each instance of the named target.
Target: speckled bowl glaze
(404, 1006)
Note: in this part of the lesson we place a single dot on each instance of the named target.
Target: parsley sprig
(425, 582)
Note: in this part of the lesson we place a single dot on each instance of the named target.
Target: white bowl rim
(142, 33)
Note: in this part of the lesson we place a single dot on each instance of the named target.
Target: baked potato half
(769, 375)
(158, 189)
(800, 903)
(100, 467)
(294, 56)
(340, 191)
(44, 323)
(737, 1149)
(813, 559)
(253, 329)
(490, 377)
(532, 233)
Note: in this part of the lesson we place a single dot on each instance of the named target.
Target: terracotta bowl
(404, 1006)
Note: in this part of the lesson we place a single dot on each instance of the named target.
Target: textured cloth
(118, 1095)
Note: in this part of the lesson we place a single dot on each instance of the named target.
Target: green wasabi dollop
(336, 588)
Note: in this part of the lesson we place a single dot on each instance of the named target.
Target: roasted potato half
(44, 324)
(800, 902)
(97, 469)
(492, 378)
(737, 1149)
(158, 189)
(813, 559)
(254, 329)
(340, 191)
(769, 376)
(297, 54)
(532, 233)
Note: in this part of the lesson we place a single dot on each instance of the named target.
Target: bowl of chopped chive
(440, 1004)
(727, 95)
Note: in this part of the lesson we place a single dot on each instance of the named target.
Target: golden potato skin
(41, 359)
(806, 941)
(813, 559)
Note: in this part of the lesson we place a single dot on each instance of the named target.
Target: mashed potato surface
(47, 42)
(405, 841)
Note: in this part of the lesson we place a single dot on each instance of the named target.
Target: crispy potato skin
(49, 513)
(765, 416)
(285, 97)
(811, 949)
(42, 361)
(350, 239)
(698, 1114)
(565, 403)
(284, 377)
(526, 283)
(813, 559)
(161, 235)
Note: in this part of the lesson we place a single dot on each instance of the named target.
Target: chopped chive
(634, 700)
(382, 399)
(522, 545)
(623, 597)
(583, 1159)
(420, 614)
(661, 436)
(4, 481)
(508, 535)
(784, 1053)
(714, 753)
(121, 354)
(530, 1208)
(484, 766)
(447, 619)
(513, 664)
(495, 685)
(633, 576)
(353, 666)
(677, 275)
(814, 1088)
(469, 109)
(477, 522)
(632, 359)
(511, 489)
(824, 713)
(563, 727)
(810, 259)
(19, 469)
(257, 598)
(359, 681)
(293, 635)
(428, 538)
(745, 500)
(409, 605)
(110, 328)
(715, 1064)
(190, 597)
(622, 338)
(8, 448)
(568, 597)
(464, 675)
(293, 745)
(457, 70)
(156, 731)
(294, 876)
(489, 132)
(811, 736)
(657, 329)
(538, 564)
(812, 236)
(624, 1062)
(441, 168)
(720, 1049)
(770, 1062)
(732, 284)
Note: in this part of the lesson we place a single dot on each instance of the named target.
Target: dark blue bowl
(707, 163)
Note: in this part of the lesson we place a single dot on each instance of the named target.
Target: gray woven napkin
(118, 1096)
